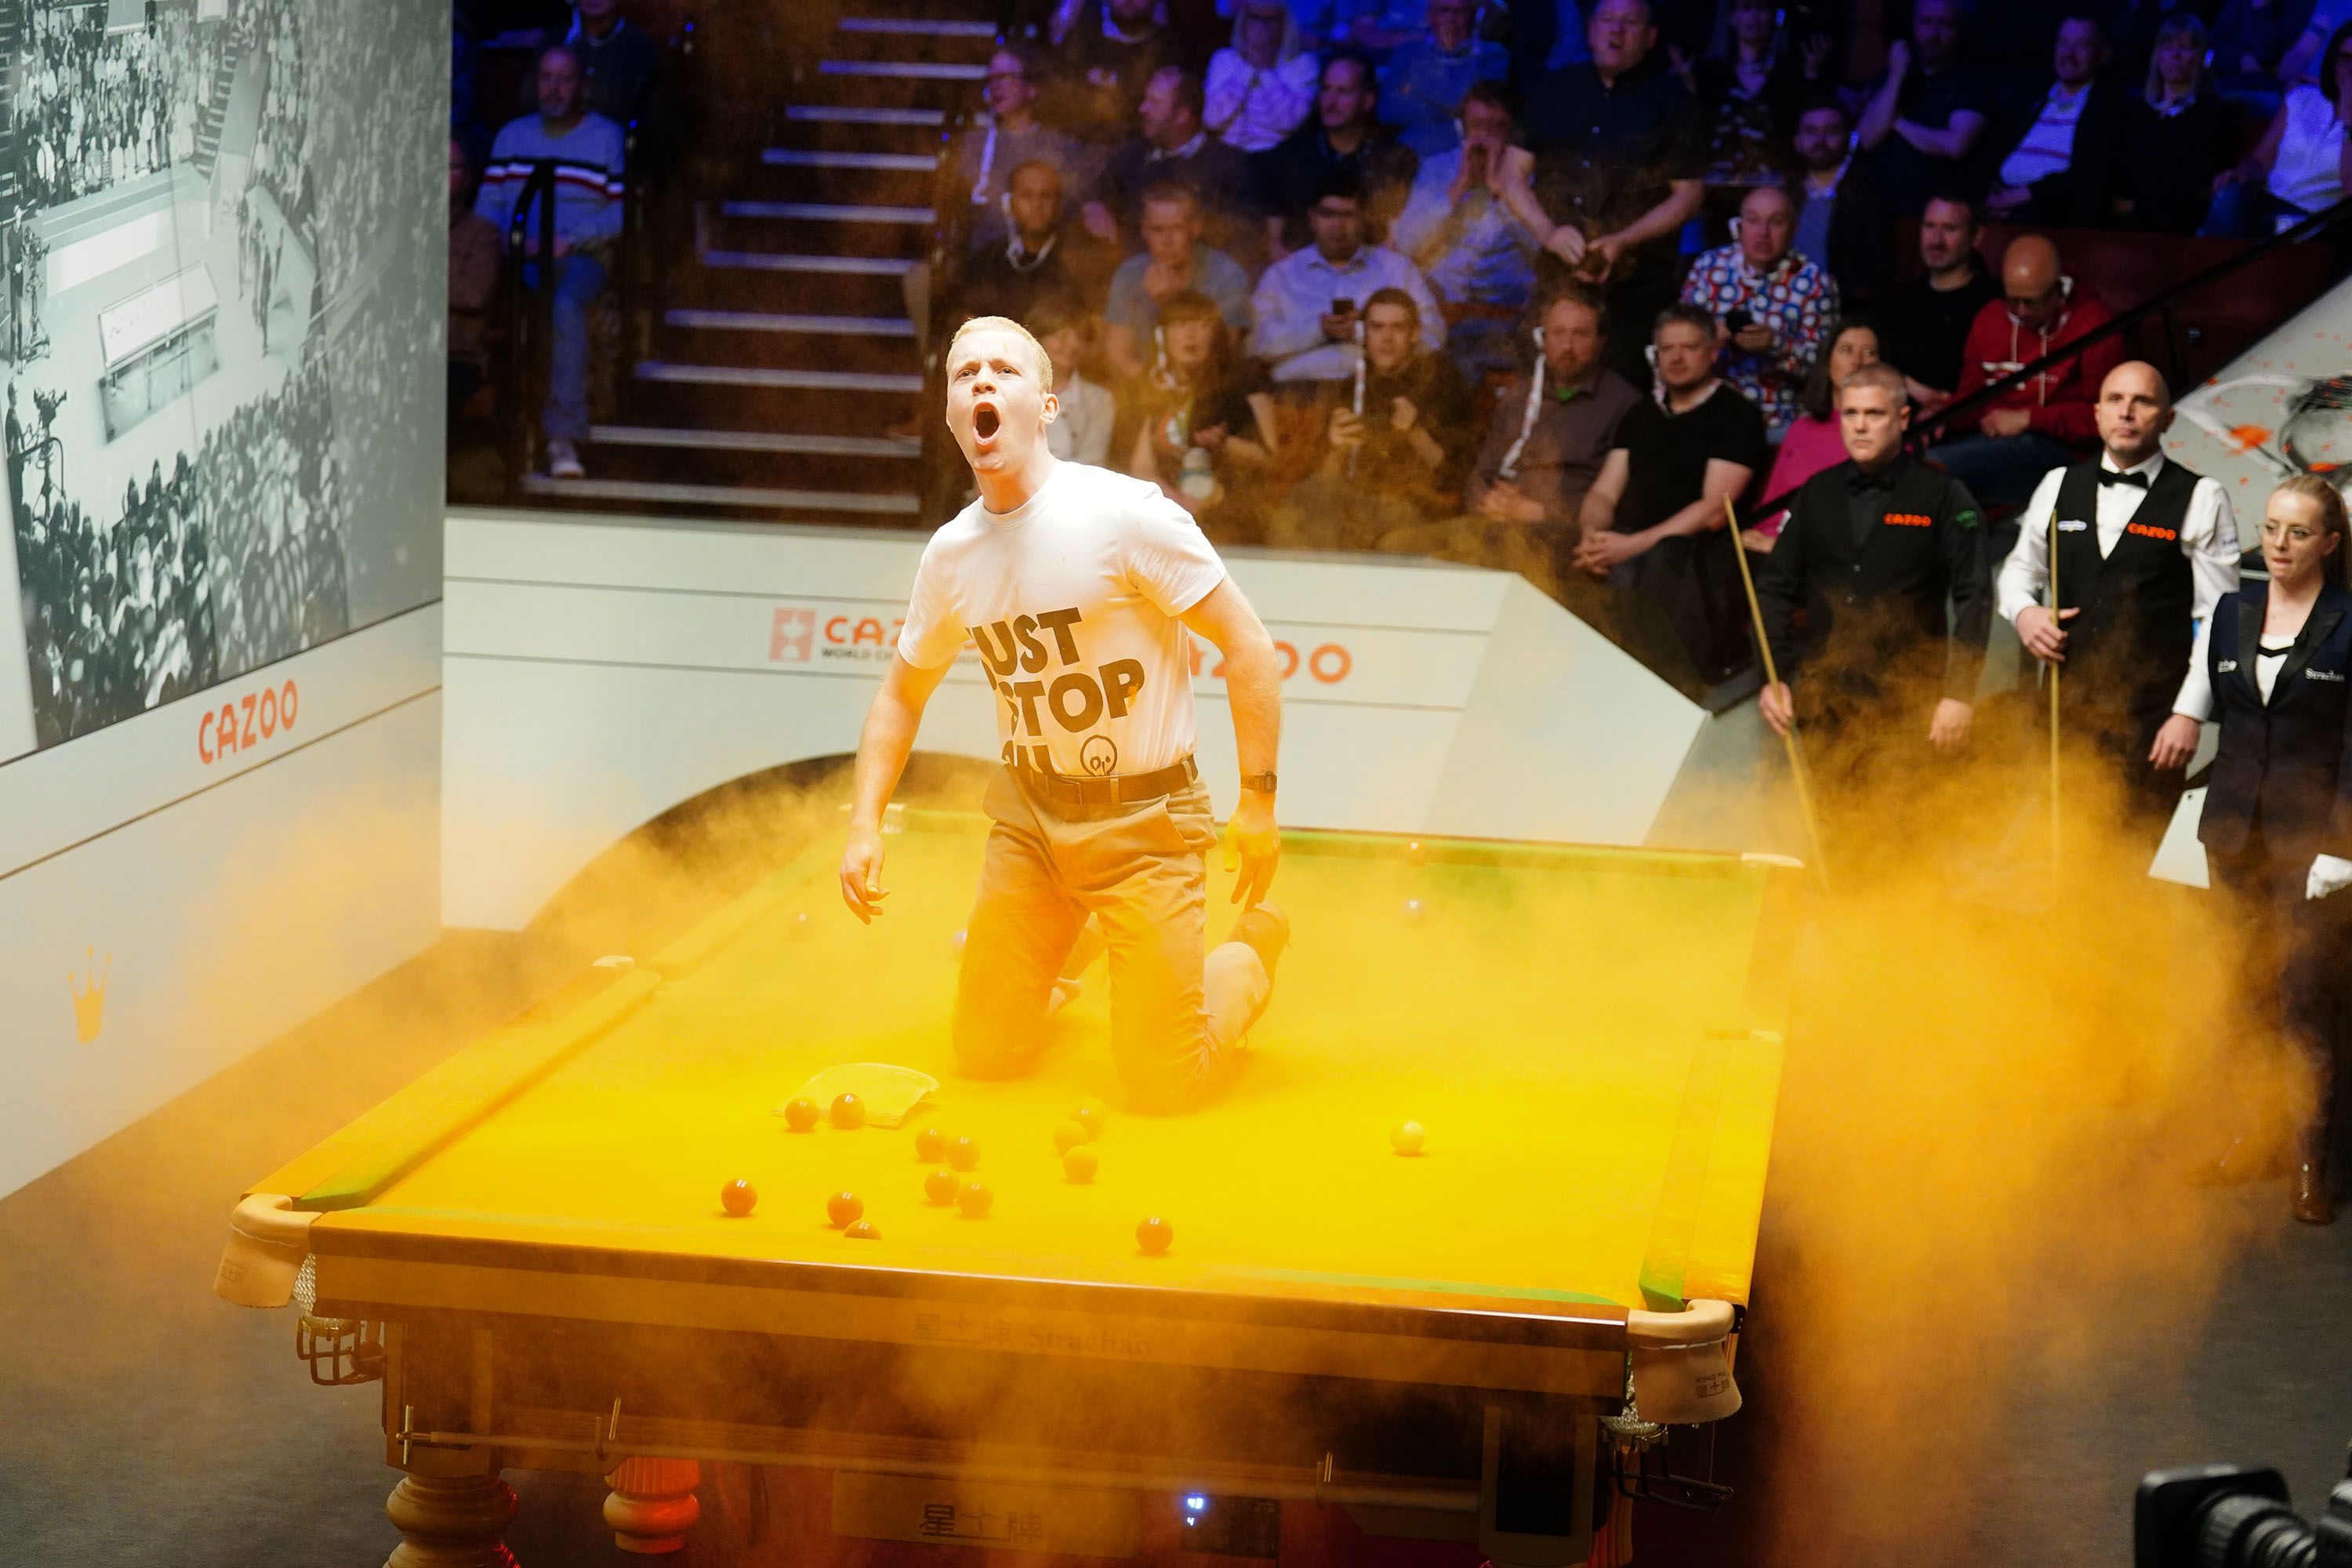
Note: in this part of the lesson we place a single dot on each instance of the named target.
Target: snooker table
(526, 1244)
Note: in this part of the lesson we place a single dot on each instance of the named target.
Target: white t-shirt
(1073, 600)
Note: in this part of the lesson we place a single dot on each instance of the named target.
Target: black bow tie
(2135, 480)
(1864, 480)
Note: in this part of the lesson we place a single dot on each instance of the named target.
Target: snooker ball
(1154, 1234)
(929, 1144)
(1413, 910)
(940, 1186)
(802, 1115)
(1415, 852)
(955, 944)
(800, 922)
(1406, 1137)
(843, 1208)
(1081, 1163)
(974, 1199)
(1068, 1136)
(964, 1152)
(863, 1230)
(737, 1196)
(1091, 1116)
(848, 1111)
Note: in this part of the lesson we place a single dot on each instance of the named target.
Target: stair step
(862, 114)
(798, 158)
(782, 262)
(695, 319)
(750, 280)
(777, 377)
(760, 498)
(905, 70)
(788, 443)
(829, 212)
(919, 26)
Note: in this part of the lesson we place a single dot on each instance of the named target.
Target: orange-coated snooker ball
(1081, 1163)
(801, 1115)
(1068, 1136)
(929, 1144)
(1154, 1236)
(844, 1208)
(1406, 1137)
(862, 1231)
(1415, 852)
(737, 1196)
(940, 1186)
(1091, 1116)
(848, 1111)
(974, 1199)
(964, 1152)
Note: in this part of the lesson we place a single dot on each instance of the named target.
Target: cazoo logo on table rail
(244, 722)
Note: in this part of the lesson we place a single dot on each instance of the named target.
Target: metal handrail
(530, 314)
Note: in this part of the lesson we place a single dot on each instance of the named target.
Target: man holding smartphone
(1307, 303)
(1770, 305)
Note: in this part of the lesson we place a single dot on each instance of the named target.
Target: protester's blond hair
(1007, 324)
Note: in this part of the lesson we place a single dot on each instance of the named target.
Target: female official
(2278, 805)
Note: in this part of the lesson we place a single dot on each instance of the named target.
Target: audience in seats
(1081, 431)
(1649, 524)
(1261, 87)
(1310, 305)
(475, 249)
(2054, 157)
(1339, 139)
(1813, 441)
(1478, 257)
(1750, 85)
(2045, 421)
(1926, 323)
(1206, 427)
(1923, 121)
(2299, 166)
(1426, 79)
(1043, 256)
(1768, 305)
(1174, 259)
(1837, 226)
(1171, 148)
(586, 150)
(1102, 66)
(2180, 139)
(982, 158)
(621, 64)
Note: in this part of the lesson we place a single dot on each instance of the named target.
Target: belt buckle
(1097, 791)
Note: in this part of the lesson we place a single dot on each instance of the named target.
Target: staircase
(783, 353)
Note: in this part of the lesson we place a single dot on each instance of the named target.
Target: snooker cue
(2053, 703)
(1771, 679)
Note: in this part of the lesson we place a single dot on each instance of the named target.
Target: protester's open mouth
(984, 421)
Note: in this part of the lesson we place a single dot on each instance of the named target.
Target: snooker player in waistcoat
(2145, 550)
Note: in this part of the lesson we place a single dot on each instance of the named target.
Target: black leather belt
(1123, 789)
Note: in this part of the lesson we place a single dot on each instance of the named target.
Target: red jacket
(2059, 398)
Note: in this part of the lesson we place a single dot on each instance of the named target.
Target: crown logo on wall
(90, 996)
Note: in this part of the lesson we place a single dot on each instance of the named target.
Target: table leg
(653, 1504)
(451, 1521)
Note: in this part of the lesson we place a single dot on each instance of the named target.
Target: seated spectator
(2042, 424)
(1923, 118)
(1924, 324)
(1377, 26)
(621, 63)
(1476, 255)
(1837, 224)
(1649, 521)
(1813, 441)
(1081, 431)
(1549, 433)
(2180, 137)
(2298, 167)
(1205, 433)
(1610, 169)
(2057, 156)
(983, 158)
(2303, 64)
(1768, 305)
(1340, 137)
(2250, 38)
(1103, 66)
(1173, 261)
(1395, 439)
(476, 245)
(1172, 148)
(587, 223)
(1037, 258)
(1425, 81)
(1310, 305)
(1748, 87)
(1261, 87)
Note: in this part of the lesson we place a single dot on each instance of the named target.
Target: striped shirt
(588, 186)
(2047, 147)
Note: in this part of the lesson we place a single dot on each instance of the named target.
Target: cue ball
(1413, 910)
(844, 1208)
(1089, 1115)
(929, 1144)
(801, 1115)
(1068, 1136)
(848, 1111)
(940, 1186)
(963, 1153)
(974, 1198)
(1154, 1234)
(862, 1231)
(1080, 1164)
(1406, 1138)
(737, 1196)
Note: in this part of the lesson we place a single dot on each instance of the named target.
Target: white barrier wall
(599, 671)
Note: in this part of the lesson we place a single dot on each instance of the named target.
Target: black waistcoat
(2127, 650)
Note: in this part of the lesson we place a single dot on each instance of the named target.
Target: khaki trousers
(1139, 871)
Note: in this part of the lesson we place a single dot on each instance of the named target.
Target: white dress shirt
(2208, 537)
(1296, 291)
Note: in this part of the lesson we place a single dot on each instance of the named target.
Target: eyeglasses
(2274, 533)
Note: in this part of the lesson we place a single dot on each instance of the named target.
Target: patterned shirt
(1796, 298)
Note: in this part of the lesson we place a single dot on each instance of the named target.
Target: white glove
(2330, 873)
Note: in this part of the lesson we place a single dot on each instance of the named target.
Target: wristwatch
(1261, 782)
